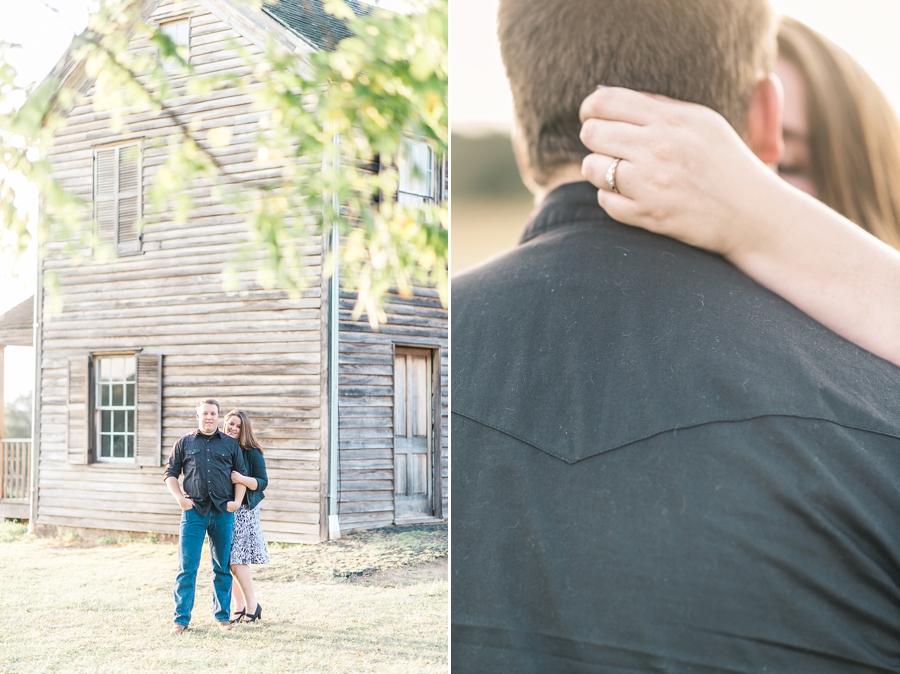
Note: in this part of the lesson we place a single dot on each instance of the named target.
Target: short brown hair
(557, 51)
(854, 133)
(207, 401)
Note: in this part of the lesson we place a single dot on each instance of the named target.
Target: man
(658, 465)
(206, 457)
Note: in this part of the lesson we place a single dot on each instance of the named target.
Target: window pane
(104, 445)
(129, 394)
(118, 395)
(129, 446)
(118, 369)
(178, 32)
(119, 422)
(416, 159)
(129, 415)
(105, 421)
(119, 446)
(104, 369)
(129, 368)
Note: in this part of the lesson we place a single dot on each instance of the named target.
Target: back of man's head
(557, 51)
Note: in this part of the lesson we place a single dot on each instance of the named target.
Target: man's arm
(237, 465)
(175, 488)
(173, 470)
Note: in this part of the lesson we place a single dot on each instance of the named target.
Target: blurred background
(490, 205)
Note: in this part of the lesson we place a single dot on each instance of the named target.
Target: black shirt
(659, 466)
(207, 462)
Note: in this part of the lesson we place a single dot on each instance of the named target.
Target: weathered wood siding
(366, 387)
(252, 348)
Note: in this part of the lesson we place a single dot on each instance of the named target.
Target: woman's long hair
(245, 438)
(854, 133)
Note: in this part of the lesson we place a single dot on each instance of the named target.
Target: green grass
(75, 606)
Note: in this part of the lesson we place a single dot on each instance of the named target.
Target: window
(417, 173)
(115, 407)
(117, 196)
(179, 32)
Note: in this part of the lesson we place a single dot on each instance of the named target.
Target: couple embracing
(224, 480)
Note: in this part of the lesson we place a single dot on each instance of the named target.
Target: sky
(479, 96)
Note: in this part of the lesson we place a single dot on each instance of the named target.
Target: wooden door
(412, 433)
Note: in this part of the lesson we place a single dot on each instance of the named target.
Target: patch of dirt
(359, 556)
(406, 575)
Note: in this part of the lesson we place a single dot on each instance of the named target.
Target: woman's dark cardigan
(256, 468)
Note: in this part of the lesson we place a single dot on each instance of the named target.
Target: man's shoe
(224, 625)
(177, 628)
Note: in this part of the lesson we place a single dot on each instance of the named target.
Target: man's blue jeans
(220, 527)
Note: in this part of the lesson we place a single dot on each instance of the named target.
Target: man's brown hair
(557, 51)
(207, 401)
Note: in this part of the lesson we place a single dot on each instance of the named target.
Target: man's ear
(764, 135)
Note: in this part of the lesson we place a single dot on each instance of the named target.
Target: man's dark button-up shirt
(660, 466)
(207, 462)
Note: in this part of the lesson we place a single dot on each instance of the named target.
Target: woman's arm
(245, 480)
(257, 467)
(685, 173)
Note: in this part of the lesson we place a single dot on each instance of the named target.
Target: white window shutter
(105, 194)
(149, 410)
(117, 196)
(129, 199)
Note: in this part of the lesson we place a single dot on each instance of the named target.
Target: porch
(16, 329)
(15, 473)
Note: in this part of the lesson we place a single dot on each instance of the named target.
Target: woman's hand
(683, 171)
(236, 477)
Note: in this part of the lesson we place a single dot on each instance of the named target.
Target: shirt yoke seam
(670, 430)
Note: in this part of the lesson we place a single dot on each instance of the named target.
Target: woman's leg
(240, 602)
(241, 573)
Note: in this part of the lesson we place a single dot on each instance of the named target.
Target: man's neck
(570, 173)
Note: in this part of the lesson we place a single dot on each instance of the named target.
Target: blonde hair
(245, 438)
(854, 133)
(556, 52)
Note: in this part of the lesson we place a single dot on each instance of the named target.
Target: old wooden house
(127, 345)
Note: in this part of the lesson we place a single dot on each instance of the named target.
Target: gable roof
(309, 20)
(17, 324)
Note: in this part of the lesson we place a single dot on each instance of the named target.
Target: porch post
(2, 397)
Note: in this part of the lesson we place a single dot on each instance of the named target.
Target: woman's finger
(620, 105)
(618, 206)
(615, 139)
(603, 172)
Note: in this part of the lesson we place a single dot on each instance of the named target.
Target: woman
(684, 172)
(248, 546)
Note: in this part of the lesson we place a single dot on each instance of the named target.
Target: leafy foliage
(18, 417)
(326, 118)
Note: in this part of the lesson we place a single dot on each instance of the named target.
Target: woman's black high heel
(253, 617)
(237, 617)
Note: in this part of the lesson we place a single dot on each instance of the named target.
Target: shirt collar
(198, 433)
(567, 205)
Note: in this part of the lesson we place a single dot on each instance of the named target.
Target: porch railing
(15, 468)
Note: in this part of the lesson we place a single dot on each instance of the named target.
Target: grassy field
(482, 228)
(370, 602)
